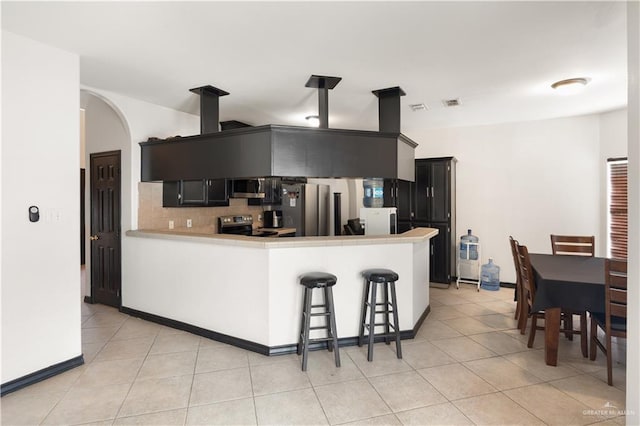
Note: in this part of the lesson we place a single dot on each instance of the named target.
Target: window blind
(617, 207)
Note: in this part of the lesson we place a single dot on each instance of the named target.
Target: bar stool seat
(380, 275)
(370, 305)
(324, 281)
(318, 279)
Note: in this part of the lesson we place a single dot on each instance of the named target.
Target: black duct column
(323, 83)
(337, 213)
(209, 107)
(389, 109)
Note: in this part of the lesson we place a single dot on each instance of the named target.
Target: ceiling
(498, 58)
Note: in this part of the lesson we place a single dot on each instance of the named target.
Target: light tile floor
(468, 365)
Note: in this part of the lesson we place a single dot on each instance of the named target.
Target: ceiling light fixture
(313, 120)
(570, 86)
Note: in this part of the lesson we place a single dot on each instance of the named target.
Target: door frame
(118, 153)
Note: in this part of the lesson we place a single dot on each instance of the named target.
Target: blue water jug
(490, 276)
(464, 245)
(373, 192)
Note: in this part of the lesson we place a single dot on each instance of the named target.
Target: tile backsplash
(151, 214)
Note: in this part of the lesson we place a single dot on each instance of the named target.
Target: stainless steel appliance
(306, 207)
(241, 225)
(273, 218)
(248, 188)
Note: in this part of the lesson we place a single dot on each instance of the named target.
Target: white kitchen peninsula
(245, 291)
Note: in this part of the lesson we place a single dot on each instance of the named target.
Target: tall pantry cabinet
(435, 207)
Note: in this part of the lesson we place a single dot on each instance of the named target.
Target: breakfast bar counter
(244, 290)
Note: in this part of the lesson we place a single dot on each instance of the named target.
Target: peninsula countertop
(208, 236)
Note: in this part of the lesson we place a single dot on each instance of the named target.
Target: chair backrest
(526, 274)
(615, 278)
(514, 252)
(575, 245)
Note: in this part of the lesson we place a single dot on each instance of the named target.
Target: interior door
(105, 228)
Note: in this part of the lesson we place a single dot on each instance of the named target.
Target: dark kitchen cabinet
(434, 205)
(398, 193)
(272, 193)
(195, 193)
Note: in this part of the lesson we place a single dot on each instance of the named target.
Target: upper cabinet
(398, 193)
(195, 193)
(435, 189)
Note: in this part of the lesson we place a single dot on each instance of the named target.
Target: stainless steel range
(241, 225)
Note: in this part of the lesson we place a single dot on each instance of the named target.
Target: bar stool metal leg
(363, 315)
(396, 325)
(302, 322)
(332, 322)
(307, 322)
(372, 320)
(387, 335)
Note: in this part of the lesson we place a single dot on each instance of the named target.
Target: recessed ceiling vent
(418, 107)
(451, 102)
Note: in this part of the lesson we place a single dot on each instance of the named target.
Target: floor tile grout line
(135, 378)
(66, 392)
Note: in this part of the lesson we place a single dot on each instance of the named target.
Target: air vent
(418, 107)
(451, 102)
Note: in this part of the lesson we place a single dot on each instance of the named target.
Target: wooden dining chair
(521, 313)
(574, 245)
(614, 320)
(528, 286)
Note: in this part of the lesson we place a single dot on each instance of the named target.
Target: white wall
(527, 179)
(40, 166)
(633, 341)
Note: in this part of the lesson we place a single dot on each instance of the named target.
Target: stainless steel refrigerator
(305, 206)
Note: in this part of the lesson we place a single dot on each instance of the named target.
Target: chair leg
(609, 360)
(532, 333)
(524, 316)
(568, 326)
(594, 340)
(583, 335)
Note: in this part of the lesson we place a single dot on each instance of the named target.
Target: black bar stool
(325, 281)
(388, 279)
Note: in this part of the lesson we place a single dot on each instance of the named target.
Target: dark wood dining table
(569, 282)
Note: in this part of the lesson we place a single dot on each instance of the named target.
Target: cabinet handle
(427, 192)
(432, 192)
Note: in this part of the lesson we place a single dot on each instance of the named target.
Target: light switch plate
(170, 224)
(189, 223)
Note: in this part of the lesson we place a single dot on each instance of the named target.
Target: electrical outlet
(170, 224)
(259, 218)
(189, 224)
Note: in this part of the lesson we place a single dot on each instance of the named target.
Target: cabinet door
(439, 195)
(389, 193)
(440, 253)
(421, 198)
(404, 226)
(404, 199)
(217, 192)
(170, 194)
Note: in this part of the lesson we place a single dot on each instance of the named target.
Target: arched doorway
(105, 154)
